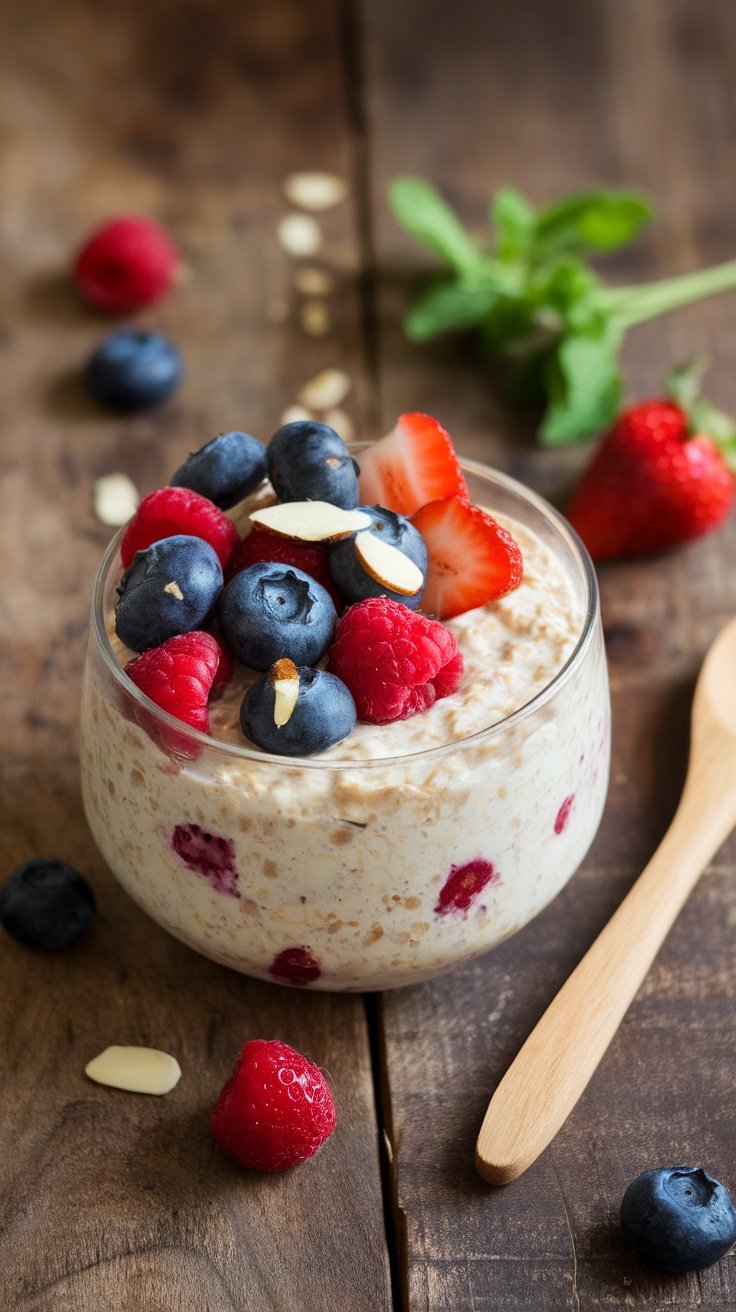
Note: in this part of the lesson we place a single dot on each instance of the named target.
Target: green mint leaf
(514, 221)
(423, 213)
(591, 221)
(584, 387)
(448, 305)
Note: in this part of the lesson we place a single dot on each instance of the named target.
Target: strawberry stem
(633, 305)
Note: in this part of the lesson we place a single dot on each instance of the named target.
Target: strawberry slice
(413, 464)
(472, 559)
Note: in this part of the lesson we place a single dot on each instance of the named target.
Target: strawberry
(651, 485)
(413, 464)
(472, 560)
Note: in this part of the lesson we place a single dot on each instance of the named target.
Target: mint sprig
(533, 297)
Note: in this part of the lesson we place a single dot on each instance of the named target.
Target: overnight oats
(310, 778)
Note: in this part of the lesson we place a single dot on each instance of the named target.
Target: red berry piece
(472, 560)
(127, 263)
(463, 885)
(563, 814)
(276, 1109)
(395, 662)
(177, 676)
(173, 510)
(295, 966)
(209, 855)
(260, 545)
(415, 463)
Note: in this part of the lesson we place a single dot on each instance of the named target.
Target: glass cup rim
(235, 752)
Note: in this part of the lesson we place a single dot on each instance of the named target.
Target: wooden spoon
(542, 1085)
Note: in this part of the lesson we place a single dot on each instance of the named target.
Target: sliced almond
(283, 677)
(341, 422)
(314, 317)
(326, 390)
(174, 589)
(299, 235)
(387, 565)
(116, 499)
(314, 190)
(310, 521)
(312, 281)
(295, 413)
(137, 1070)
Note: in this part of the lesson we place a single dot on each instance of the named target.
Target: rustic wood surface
(195, 113)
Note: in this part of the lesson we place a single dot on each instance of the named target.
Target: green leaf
(423, 213)
(584, 386)
(683, 383)
(591, 221)
(447, 305)
(514, 221)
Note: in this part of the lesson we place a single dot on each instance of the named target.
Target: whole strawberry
(659, 477)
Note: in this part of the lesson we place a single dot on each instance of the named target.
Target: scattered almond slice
(315, 318)
(326, 390)
(314, 190)
(387, 565)
(137, 1070)
(299, 235)
(310, 521)
(311, 281)
(283, 677)
(341, 422)
(294, 414)
(115, 499)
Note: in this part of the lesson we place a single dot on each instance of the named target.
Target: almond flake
(326, 390)
(341, 422)
(137, 1070)
(175, 590)
(315, 190)
(115, 499)
(315, 318)
(310, 521)
(295, 414)
(311, 281)
(283, 677)
(299, 235)
(387, 565)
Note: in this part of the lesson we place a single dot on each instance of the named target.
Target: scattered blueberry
(268, 610)
(170, 588)
(46, 904)
(307, 461)
(678, 1218)
(133, 369)
(225, 470)
(353, 581)
(323, 714)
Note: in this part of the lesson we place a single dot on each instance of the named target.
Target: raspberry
(463, 884)
(295, 966)
(126, 263)
(276, 1109)
(176, 676)
(210, 855)
(225, 669)
(395, 662)
(172, 510)
(260, 545)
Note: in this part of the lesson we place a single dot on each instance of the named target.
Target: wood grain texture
(551, 98)
(193, 113)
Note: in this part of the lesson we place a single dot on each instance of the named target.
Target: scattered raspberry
(276, 1109)
(210, 855)
(172, 510)
(563, 813)
(395, 662)
(260, 545)
(225, 669)
(295, 966)
(126, 263)
(176, 676)
(463, 884)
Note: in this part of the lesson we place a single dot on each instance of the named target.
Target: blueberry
(170, 588)
(322, 715)
(307, 461)
(225, 470)
(133, 369)
(46, 904)
(271, 610)
(352, 580)
(678, 1218)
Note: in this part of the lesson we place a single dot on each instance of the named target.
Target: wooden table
(195, 112)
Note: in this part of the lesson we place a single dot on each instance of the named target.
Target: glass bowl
(353, 874)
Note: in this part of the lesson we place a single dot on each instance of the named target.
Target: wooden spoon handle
(553, 1068)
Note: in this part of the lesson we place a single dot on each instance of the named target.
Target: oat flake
(115, 499)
